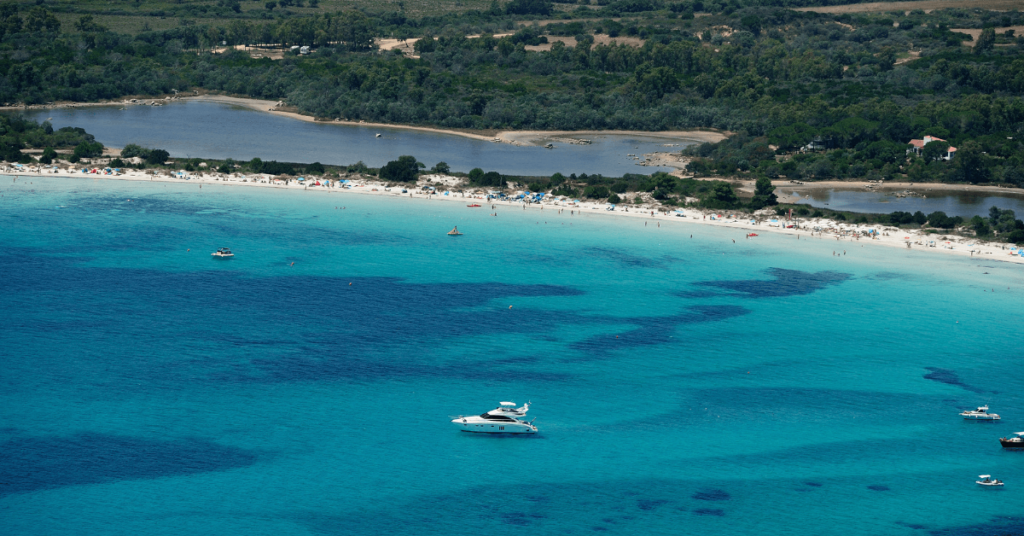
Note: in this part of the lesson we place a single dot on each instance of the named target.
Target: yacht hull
(494, 428)
(1011, 444)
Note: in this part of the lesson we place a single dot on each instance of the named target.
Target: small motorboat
(987, 480)
(377, 136)
(751, 234)
(223, 253)
(980, 414)
(474, 205)
(1013, 442)
(454, 231)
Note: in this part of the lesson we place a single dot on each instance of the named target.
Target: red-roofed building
(917, 147)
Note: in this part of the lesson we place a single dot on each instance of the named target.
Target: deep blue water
(681, 385)
(212, 130)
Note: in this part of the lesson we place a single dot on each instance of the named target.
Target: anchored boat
(505, 419)
(980, 414)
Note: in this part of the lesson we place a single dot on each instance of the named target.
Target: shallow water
(965, 204)
(214, 130)
(681, 385)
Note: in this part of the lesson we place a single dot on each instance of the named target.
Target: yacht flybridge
(505, 419)
(980, 414)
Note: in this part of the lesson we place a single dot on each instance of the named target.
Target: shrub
(157, 156)
(405, 169)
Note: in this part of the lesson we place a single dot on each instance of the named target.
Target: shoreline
(784, 188)
(519, 138)
(819, 228)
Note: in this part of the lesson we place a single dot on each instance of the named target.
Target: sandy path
(815, 229)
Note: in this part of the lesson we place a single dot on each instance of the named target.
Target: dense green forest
(860, 86)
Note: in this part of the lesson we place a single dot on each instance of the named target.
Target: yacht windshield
(490, 417)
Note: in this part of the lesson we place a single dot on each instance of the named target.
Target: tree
(528, 7)
(492, 178)
(752, 23)
(316, 168)
(441, 168)
(613, 198)
(131, 150)
(270, 5)
(87, 24)
(87, 150)
(940, 220)
(970, 163)
(887, 58)
(934, 151)
(980, 226)
(39, 18)
(721, 196)
(405, 169)
(157, 156)
(986, 41)
(475, 175)
(764, 194)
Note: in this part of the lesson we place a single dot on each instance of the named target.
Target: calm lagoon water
(681, 385)
(965, 204)
(214, 130)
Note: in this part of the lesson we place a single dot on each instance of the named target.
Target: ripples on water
(682, 386)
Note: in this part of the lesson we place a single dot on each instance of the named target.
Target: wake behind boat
(980, 414)
(505, 419)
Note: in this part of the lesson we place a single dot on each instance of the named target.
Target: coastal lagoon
(214, 130)
(704, 385)
(965, 204)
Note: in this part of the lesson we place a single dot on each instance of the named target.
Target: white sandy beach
(843, 233)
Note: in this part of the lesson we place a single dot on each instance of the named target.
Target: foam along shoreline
(818, 228)
(519, 138)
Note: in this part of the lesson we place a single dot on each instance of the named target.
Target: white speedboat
(223, 253)
(505, 419)
(980, 414)
(987, 480)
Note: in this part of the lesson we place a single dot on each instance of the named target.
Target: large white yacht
(505, 419)
(980, 414)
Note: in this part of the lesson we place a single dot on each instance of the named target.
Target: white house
(917, 147)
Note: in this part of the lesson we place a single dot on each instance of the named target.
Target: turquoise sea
(681, 385)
